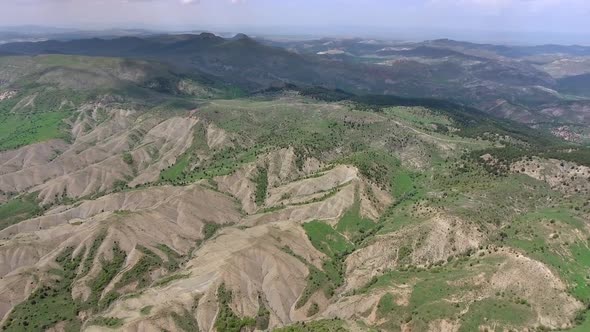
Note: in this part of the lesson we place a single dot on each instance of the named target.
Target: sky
(532, 21)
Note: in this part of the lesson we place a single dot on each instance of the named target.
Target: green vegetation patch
(467, 190)
(52, 303)
(326, 239)
(419, 116)
(140, 271)
(186, 321)
(173, 258)
(175, 171)
(435, 292)
(37, 113)
(263, 315)
(355, 227)
(494, 312)
(402, 184)
(582, 321)
(110, 322)
(332, 325)
(109, 269)
(537, 234)
(472, 123)
(188, 168)
(210, 229)
(168, 279)
(310, 130)
(316, 280)
(89, 261)
(17, 130)
(18, 209)
(386, 305)
(146, 310)
(378, 166)
(261, 181)
(227, 320)
(127, 158)
(49, 304)
(313, 309)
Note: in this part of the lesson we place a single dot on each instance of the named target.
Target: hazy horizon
(508, 21)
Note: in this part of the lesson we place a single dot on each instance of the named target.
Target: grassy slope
(433, 290)
(19, 130)
(526, 211)
(51, 304)
(18, 209)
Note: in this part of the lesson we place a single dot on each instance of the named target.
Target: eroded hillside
(185, 212)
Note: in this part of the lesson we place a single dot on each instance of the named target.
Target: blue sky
(551, 20)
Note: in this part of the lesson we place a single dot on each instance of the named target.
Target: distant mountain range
(518, 82)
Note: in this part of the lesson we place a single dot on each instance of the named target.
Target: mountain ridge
(463, 72)
(154, 193)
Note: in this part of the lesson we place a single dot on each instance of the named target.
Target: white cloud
(511, 11)
(188, 2)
